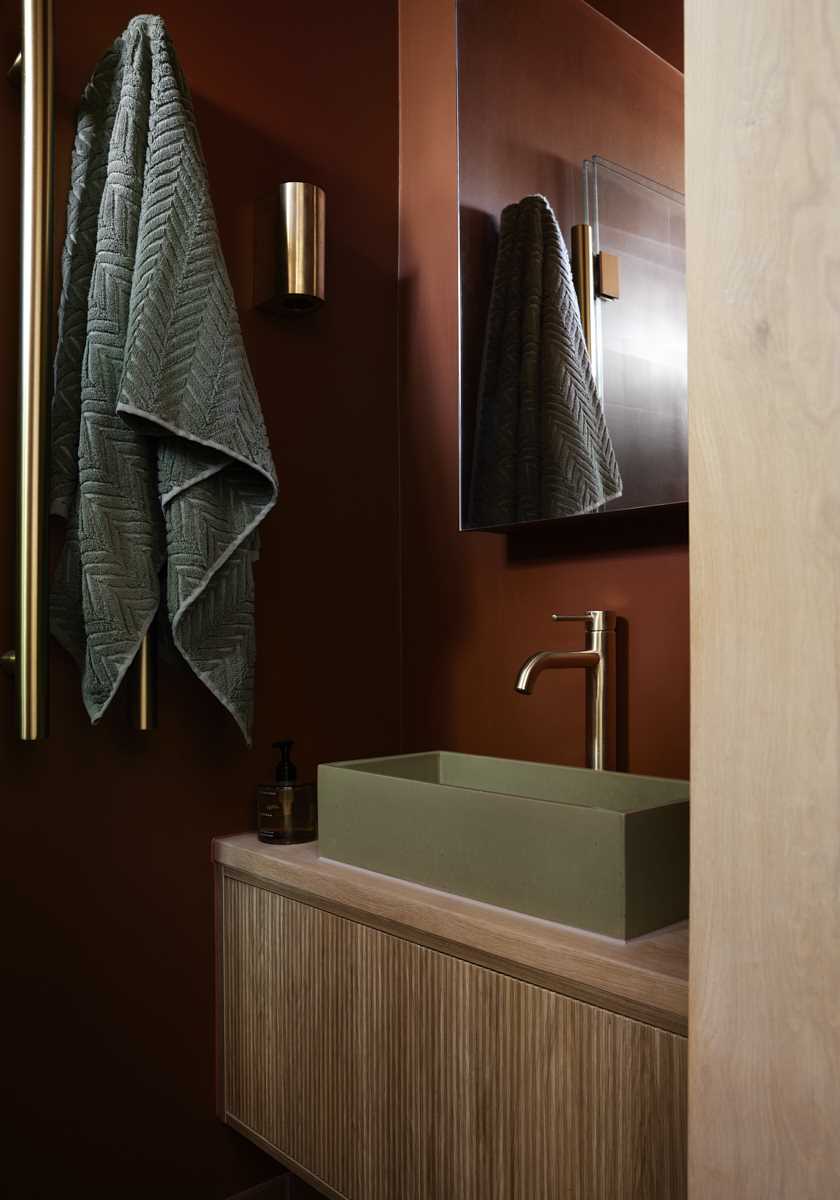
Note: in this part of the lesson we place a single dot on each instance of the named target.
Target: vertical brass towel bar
(29, 658)
(583, 273)
(595, 276)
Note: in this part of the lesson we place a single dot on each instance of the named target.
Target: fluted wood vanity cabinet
(383, 1069)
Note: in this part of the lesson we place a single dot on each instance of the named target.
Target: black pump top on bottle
(286, 771)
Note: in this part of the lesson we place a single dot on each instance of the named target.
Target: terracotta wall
(107, 934)
(537, 97)
(107, 912)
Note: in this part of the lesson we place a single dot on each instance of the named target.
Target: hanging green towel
(542, 448)
(160, 460)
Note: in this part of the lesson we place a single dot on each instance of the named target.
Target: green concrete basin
(599, 850)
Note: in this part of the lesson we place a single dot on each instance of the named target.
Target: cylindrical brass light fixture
(301, 220)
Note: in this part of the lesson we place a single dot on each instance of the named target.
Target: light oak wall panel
(763, 191)
(392, 1072)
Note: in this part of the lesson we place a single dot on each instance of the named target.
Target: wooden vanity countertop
(646, 979)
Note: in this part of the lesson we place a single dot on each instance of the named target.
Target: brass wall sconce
(289, 250)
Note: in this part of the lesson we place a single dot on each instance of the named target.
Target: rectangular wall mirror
(556, 100)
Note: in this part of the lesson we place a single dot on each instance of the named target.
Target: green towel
(160, 460)
(542, 448)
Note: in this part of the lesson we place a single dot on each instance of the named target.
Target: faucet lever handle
(596, 619)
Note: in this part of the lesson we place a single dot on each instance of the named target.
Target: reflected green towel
(160, 460)
(542, 448)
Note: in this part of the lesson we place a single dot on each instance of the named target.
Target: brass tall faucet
(598, 660)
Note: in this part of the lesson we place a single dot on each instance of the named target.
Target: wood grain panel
(646, 979)
(763, 191)
(393, 1072)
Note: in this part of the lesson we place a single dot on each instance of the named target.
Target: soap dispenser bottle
(286, 810)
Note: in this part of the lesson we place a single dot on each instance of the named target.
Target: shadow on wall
(479, 240)
(439, 606)
(598, 534)
(333, 440)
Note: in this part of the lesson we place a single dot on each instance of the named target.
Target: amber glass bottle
(286, 810)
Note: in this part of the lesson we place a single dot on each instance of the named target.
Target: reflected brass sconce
(607, 276)
(289, 250)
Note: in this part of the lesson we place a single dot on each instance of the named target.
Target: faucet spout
(548, 660)
(598, 664)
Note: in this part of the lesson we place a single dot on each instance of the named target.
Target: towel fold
(542, 448)
(160, 459)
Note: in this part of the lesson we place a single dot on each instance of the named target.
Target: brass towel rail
(28, 661)
(583, 273)
(143, 684)
(29, 656)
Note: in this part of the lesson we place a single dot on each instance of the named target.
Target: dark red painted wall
(107, 915)
(107, 909)
(539, 92)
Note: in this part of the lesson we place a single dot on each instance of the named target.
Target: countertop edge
(645, 980)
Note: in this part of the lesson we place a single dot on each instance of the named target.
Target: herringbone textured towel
(542, 448)
(160, 459)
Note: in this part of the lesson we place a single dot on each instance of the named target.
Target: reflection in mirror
(541, 444)
(640, 346)
(561, 417)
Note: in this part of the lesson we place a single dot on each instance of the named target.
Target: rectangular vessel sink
(600, 850)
